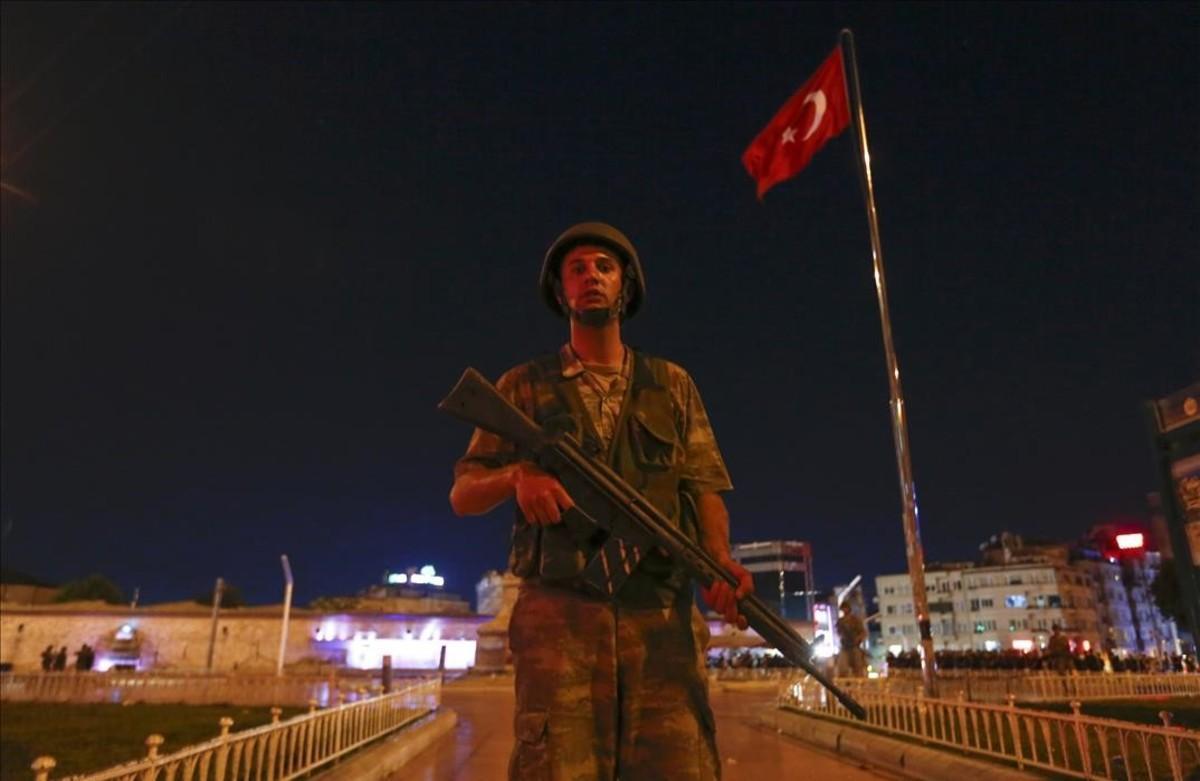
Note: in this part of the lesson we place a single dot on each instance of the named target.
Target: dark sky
(268, 238)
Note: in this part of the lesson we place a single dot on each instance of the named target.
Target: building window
(1015, 600)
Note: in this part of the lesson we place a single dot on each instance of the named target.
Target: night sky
(267, 239)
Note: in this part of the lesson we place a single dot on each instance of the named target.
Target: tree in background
(335, 604)
(231, 596)
(91, 589)
(1166, 593)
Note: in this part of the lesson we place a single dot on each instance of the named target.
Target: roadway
(483, 739)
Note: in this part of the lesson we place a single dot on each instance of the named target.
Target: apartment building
(991, 608)
(783, 575)
(1017, 593)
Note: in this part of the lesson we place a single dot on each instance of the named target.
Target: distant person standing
(48, 659)
(851, 633)
(84, 658)
(60, 659)
(1059, 650)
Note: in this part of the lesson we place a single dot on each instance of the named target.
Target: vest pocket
(531, 726)
(653, 441)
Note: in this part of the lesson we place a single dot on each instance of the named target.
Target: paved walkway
(483, 739)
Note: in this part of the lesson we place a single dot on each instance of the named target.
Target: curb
(379, 761)
(897, 756)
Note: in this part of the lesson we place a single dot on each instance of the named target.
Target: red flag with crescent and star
(817, 112)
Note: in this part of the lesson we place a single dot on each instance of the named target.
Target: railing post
(275, 713)
(41, 768)
(341, 722)
(921, 711)
(310, 737)
(1171, 742)
(223, 752)
(961, 714)
(1081, 740)
(152, 744)
(1014, 725)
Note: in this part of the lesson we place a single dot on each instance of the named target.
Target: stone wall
(176, 637)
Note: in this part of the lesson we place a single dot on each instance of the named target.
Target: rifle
(608, 507)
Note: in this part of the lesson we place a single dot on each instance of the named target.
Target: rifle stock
(610, 501)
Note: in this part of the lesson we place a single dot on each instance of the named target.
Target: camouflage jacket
(663, 445)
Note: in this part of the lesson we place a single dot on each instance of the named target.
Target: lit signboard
(1135, 541)
(426, 577)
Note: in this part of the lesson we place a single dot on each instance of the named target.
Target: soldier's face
(591, 278)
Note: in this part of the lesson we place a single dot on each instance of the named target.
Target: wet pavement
(483, 739)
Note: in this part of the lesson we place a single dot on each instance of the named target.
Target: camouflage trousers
(606, 692)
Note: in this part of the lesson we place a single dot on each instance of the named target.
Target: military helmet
(603, 235)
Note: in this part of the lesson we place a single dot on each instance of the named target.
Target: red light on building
(1135, 541)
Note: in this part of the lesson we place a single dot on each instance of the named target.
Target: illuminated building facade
(177, 637)
(783, 575)
(1012, 600)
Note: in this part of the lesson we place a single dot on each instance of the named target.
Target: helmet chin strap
(598, 317)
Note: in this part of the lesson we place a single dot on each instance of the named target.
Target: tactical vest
(645, 451)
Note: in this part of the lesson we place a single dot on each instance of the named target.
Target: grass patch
(92, 737)
(1185, 710)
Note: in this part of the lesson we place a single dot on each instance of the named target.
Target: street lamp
(287, 610)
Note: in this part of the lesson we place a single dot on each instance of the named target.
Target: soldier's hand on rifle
(722, 597)
(540, 495)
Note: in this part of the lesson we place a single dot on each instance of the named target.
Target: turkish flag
(816, 113)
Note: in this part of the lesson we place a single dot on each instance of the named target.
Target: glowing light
(1134, 541)
(824, 650)
(991, 645)
(397, 577)
(895, 650)
(409, 654)
(125, 632)
(1024, 646)
(1087, 645)
(428, 570)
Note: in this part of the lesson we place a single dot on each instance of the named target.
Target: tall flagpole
(908, 489)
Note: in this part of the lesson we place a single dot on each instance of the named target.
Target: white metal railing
(279, 750)
(192, 688)
(1069, 744)
(998, 686)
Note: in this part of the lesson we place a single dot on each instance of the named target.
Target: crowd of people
(53, 661)
(1044, 660)
(746, 660)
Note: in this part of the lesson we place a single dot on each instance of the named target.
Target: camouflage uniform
(611, 688)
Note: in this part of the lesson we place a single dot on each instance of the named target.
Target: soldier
(851, 633)
(1058, 649)
(617, 687)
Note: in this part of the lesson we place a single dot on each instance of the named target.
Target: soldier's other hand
(723, 598)
(540, 495)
